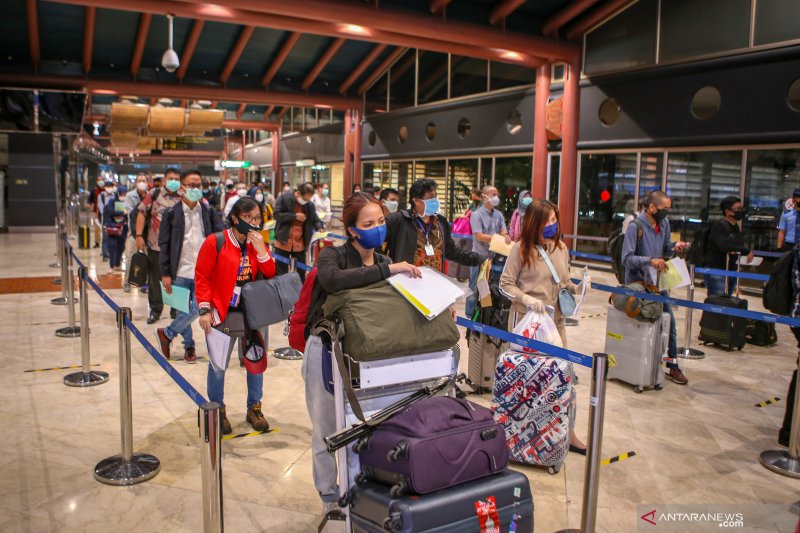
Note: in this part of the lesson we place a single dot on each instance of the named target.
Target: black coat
(401, 240)
(170, 234)
(285, 216)
(723, 238)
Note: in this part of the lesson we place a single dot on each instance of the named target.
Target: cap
(796, 193)
(255, 353)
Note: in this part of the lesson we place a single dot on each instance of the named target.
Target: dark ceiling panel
(14, 29)
(263, 45)
(214, 47)
(61, 31)
(299, 63)
(114, 38)
(342, 64)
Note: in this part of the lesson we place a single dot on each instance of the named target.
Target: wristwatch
(204, 311)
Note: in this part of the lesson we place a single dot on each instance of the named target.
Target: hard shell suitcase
(637, 348)
(483, 354)
(500, 502)
(83, 237)
(459, 437)
(534, 401)
(761, 333)
(724, 330)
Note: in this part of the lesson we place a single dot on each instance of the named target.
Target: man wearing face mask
(420, 235)
(789, 225)
(296, 219)
(108, 194)
(322, 203)
(241, 192)
(390, 201)
(230, 192)
(132, 201)
(183, 229)
(92, 201)
(148, 223)
(725, 238)
(646, 245)
(211, 195)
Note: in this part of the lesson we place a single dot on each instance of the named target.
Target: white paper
(431, 294)
(218, 345)
(498, 245)
(677, 269)
(754, 263)
(584, 285)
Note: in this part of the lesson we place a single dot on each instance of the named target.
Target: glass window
(435, 170)
(505, 75)
(325, 117)
(690, 28)
(512, 175)
(286, 120)
(606, 196)
(772, 176)
(402, 172)
(402, 76)
(463, 178)
(486, 172)
(297, 118)
(467, 76)
(555, 173)
(376, 94)
(338, 116)
(651, 170)
(626, 41)
(432, 77)
(776, 21)
(696, 183)
(311, 118)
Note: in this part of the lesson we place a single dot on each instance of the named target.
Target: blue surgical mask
(432, 206)
(550, 230)
(372, 237)
(325, 192)
(194, 195)
(173, 185)
(527, 201)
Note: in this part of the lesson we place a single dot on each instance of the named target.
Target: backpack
(638, 308)
(615, 242)
(778, 292)
(699, 249)
(299, 314)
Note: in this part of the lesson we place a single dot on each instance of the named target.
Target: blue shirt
(636, 256)
(788, 224)
(486, 222)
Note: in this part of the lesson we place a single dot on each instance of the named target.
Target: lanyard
(241, 265)
(424, 230)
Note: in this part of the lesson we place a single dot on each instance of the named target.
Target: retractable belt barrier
(732, 274)
(594, 257)
(298, 264)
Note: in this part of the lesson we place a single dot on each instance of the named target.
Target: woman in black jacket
(351, 266)
(725, 238)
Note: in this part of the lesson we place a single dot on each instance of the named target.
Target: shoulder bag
(269, 301)
(566, 300)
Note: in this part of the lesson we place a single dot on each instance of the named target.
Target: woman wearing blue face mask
(351, 266)
(515, 226)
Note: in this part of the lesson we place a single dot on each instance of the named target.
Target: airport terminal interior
(641, 123)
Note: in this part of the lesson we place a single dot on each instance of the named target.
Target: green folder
(179, 299)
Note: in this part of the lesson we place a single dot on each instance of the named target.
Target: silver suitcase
(637, 348)
(483, 354)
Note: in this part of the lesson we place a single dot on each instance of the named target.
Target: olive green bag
(379, 323)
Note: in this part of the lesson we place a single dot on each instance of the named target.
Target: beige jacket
(536, 281)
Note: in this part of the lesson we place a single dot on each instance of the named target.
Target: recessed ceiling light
(354, 29)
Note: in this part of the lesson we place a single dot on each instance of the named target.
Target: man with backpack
(646, 245)
(788, 234)
(722, 239)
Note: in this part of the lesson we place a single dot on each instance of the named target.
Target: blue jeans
(672, 350)
(182, 325)
(715, 285)
(472, 300)
(215, 382)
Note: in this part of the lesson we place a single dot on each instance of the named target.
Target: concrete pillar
(569, 150)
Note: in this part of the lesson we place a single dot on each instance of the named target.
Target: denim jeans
(321, 410)
(472, 299)
(215, 382)
(182, 325)
(715, 285)
(672, 351)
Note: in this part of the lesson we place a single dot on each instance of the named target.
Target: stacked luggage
(637, 348)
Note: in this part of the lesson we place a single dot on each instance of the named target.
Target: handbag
(566, 300)
(233, 325)
(269, 301)
(138, 269)
(462, 226)
(113, 231)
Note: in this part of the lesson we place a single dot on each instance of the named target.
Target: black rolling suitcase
(500, 502)
(761, 333)
(723, 330)
(83, 237)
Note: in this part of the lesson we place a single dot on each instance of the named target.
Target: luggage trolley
(382, 383)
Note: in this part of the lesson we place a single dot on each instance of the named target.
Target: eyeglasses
(253, 221)
(194, 186)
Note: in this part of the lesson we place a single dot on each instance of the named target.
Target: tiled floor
(697, 444)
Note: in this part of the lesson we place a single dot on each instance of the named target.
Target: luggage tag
(429, 250)
(237, 292)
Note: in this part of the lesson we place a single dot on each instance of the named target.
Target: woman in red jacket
(219, 278)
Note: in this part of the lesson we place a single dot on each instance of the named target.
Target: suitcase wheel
(360, 478)
(658, 387)
(637, 389)
(393, 523)
(553, 470)
(347, 499)
(398, 452)
(398, 489)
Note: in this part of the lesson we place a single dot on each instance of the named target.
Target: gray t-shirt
(487, 222)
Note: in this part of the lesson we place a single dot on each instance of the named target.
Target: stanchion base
(69, 331)
(85, 379)
(568, 531)
(62, 300)
(690, 353)
(780, 462)
(117, 471)
(55, 265)
(288, 353)
(571, 321)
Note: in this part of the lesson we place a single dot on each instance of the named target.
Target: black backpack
(615, 242)
(699, 249)
(778, 293)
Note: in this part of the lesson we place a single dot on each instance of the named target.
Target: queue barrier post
(787, 462)
(288, 352)
(128, 468)
(62, 262)
(686, 351)
(58, 262)
(591, 481)
(72, 330)
(210, 425)
(86, 377)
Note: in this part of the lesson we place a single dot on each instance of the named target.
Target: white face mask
(301, 200)
(142, 186)
(391, 206)
(241, 192)
(259, 197)
(494, 201)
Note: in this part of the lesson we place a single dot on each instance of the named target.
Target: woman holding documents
(528, 279)
(351, 266)
(227, 261)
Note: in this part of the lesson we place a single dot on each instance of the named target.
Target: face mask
(142, 186)
(325, 192)
(301, 200)
(372, 237)
(100, 183)
(661, 214)
(494, 201)
(391, 206)
(432, 206)
(241, 193)
(527, 201)
(244, 228)
(550, 230)
(739, 215)
(173, 185)
(193, 195)
(259, 198)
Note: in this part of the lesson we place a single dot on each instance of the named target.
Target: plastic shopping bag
(537, 326)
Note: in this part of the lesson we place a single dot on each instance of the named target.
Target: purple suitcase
(436, 443)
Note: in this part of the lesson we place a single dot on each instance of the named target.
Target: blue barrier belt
(176, 376)
(729, 311)
(549, 349)
(461, 236)
(732, 274)
(337, 236)
(595, 257)
(297, 264)
(768, 254)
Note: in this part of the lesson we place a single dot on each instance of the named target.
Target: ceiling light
(170, 60)
(510, 55)
(165, 101)
(104, 91)
(96, 131)
(215, 10)
(354, 29)
(205, 103)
